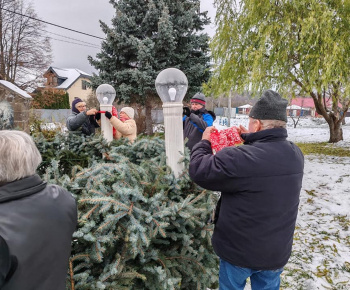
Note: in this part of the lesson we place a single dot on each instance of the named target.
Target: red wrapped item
(225, 138)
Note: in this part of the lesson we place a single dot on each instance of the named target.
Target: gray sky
(83, 16)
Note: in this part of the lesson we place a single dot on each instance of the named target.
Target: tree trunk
(148, 112)
(333, 117)
(229, 109)
(335, 131)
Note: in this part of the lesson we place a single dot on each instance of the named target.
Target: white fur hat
(129, 111)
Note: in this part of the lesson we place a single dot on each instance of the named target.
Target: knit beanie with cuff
(271, 106)
(198, 98)
(129, 111)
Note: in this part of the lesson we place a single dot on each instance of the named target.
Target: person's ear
(257, 126)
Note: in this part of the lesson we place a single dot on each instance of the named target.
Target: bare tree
(297, 117)
(25, 51)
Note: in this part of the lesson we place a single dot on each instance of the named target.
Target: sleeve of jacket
(125, 128)
(202, 121)
(213, 171)
(75, 121)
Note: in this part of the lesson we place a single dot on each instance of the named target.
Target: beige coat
(126, 129)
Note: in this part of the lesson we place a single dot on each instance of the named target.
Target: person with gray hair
(37, 220)
(260, 185)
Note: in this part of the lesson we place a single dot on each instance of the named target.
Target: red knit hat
(198, 98)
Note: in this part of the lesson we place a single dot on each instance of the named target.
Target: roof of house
(247, 106)
(309, 102)
(303, 102)
(15, 89)
(70, 75)
(296, 107)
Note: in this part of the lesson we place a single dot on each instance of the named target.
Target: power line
(75, 43)
(51, 23)
(89, 43)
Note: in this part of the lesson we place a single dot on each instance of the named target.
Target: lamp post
(171, 85)
(105, 95)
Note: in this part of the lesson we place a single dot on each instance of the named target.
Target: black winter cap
(271, 106)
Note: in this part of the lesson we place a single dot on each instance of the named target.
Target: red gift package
(225, 138)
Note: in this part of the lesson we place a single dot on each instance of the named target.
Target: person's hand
(98, 116)
(186, 111)
(108, 115)
(242, 130)
(91, 112)
(207, 132)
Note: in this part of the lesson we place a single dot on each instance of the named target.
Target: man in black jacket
(196, 119)
(260, 184)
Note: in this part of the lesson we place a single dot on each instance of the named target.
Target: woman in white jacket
(126, 125)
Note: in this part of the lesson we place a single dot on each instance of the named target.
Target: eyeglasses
(81, 106)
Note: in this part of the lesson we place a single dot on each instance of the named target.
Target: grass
(324, 148)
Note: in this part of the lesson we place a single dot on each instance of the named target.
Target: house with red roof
(308, 105)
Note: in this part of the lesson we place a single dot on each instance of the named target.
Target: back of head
(271, 106)
(129, 111)
(19, 156)
(199, 98)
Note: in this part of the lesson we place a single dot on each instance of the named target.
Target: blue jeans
(234, 278)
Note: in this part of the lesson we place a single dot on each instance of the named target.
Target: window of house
(84, 84)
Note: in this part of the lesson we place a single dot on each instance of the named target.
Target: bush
(139, 226)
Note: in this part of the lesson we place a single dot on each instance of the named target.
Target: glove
(186, 111)
(98, 116)
(108, 115)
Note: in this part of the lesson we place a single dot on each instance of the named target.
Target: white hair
(19, 156)
(269, 124)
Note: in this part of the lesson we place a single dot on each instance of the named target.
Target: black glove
(108, 115)
(98, 116)
(186, 111)
(197, 112)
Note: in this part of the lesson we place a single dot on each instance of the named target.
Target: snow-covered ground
(321, 251)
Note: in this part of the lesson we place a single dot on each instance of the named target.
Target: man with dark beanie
(260, 184)
(80, 120)
(196, 119)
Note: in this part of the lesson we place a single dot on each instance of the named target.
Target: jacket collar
(268, 135)
(21, 188)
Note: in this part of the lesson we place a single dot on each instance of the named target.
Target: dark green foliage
(147, 37)
(139, 226)
(51, 99)
(70, 150)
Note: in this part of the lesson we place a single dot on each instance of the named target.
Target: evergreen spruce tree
(147, 37)
(139, 226)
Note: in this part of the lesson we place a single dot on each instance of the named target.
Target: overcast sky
(83, 16)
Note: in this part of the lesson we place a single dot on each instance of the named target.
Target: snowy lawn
(321, 251)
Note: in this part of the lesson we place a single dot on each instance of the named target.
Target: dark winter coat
(195, 124)
(8, 263)
(37, 221)
(81, 123)
(260, 184)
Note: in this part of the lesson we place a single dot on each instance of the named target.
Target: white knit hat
(129, 111)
